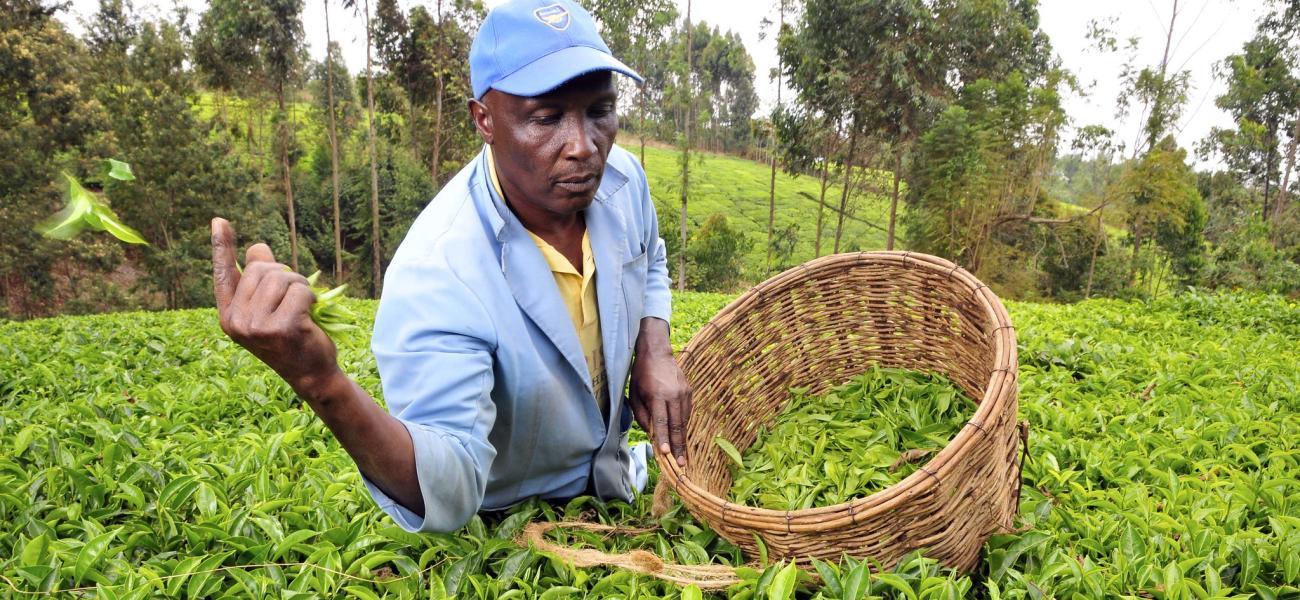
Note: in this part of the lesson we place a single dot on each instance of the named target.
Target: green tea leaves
(118, 170)
(328, 312)
(782, 586)
(730, 450)
(90, 554)
(138, 450)
(860, 437)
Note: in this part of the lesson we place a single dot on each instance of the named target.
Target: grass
(738, 188)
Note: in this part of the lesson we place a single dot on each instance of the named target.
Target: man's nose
(579, 138)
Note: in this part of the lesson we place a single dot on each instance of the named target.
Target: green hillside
(738, 188)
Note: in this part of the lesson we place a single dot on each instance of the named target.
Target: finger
(249, 281)
(689, 404)
(225, 273)
(659, 414)
(258, 253)
(270, 292)
(677, 429)
(639, 411)
(296, 302)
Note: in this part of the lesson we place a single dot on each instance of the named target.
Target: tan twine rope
(815, 326)
(637, 561)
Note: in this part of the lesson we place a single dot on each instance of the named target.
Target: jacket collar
(532, 284)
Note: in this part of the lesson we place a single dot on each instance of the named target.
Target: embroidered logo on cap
(554, 15)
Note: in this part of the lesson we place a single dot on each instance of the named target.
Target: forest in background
(935, 123)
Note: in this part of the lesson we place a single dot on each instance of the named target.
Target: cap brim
(550, 71)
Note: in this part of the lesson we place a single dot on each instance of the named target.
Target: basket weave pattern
(816, 326)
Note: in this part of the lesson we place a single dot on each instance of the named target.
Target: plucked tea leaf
(731, 451)
(118, 170)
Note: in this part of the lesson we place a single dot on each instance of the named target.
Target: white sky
(1205, 32)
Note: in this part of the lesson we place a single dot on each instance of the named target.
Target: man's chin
(573, 203)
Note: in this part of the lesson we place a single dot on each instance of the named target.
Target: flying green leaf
(83, 211)
(118, 170)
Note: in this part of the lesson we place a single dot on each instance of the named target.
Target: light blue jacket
(480, 360)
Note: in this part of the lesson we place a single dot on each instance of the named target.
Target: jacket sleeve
(434, 342)
(658, 294)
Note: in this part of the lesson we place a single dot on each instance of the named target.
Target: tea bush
(143, 455)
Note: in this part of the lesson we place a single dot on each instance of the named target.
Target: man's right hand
(266, 310)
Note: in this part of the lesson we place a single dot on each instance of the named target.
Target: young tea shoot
(856, 439)
(87, 211)
(329, 312)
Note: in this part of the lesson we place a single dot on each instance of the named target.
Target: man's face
(550, 150)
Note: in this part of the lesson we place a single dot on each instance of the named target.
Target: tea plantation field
(144, 455)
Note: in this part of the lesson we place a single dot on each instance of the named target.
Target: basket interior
(817, 331)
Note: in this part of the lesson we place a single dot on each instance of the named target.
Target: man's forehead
(591, 87)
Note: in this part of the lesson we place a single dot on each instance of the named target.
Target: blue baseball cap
(530, 47)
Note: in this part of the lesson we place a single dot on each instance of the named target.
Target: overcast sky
(1204, 33)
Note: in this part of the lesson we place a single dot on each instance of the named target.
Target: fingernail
(665, 448)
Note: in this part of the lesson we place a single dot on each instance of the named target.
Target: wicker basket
(816, 326)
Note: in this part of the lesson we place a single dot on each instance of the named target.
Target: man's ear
(482, 117)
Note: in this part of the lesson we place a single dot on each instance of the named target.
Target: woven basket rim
(929, 475)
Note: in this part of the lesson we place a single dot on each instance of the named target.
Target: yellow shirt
(578, 290)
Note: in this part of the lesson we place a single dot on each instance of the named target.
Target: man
(522, 299)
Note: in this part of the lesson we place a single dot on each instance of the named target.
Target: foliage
(46, 117)
(714, 253)
(859, 438)
(1159, 196)
(1163, 461)
(978, 174)
(1248, 260)
(1263, 97)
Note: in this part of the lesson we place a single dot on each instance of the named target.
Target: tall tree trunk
(686, 151)
(436, 159)
(1137, 253)
(821, 205)
(1268, 173)
(376, 248)
(641, 133)
(844, 193)
(1096, 245)
(1286, 173)
(334, 149)
(771, 185)
(893, 201)
(288, 178)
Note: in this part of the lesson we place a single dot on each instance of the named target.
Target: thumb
(225, 271)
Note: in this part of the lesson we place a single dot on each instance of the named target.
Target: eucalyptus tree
(248, 46)
(1263, 97)
(772, 147)
(376, 247)
(636, 31)
(334, 144)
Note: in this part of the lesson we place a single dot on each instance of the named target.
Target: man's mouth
(577, 184)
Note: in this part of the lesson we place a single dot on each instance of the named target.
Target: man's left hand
(660, 396)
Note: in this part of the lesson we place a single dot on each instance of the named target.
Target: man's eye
(545, 119)
(601, 111)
